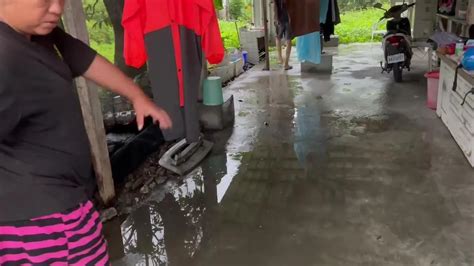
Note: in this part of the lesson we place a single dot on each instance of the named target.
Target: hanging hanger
(455, 83)
(465, 96)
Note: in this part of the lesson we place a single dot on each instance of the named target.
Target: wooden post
(75, 22)
(265, 28)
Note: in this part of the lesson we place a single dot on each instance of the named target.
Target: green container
(213, 92)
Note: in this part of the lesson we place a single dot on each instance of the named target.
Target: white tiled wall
(459, 119)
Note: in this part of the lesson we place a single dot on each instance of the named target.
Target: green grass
(106, 47)
(101, 34)
(107, 50)
(356, 26)
(229, 33)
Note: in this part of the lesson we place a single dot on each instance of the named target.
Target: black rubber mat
(128, 156)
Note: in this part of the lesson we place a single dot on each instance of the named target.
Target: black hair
(471, 32)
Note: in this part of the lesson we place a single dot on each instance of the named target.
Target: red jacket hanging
(143, 18)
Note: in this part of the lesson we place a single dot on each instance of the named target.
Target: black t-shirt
(45, 161)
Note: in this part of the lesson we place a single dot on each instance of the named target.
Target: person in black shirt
(46, 180)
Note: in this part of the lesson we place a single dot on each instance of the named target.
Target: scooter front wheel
(398, 72)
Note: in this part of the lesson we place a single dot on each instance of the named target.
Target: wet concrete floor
(341, 169)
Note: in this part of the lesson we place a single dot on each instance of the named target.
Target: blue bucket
(245, 56)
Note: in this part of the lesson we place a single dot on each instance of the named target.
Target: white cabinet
(458, 118)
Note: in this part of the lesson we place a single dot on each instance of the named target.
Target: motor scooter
(397, 42)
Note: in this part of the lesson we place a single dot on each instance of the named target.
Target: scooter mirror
(378, 5)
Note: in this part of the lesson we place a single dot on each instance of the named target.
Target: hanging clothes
(309, 48)
(336, 15)
(304, 16)
(328, 29)
(324, 6)
(171, 35)
(282, 20)
(281, 11)
(333, 18)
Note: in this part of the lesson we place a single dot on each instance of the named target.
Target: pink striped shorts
(69, 238)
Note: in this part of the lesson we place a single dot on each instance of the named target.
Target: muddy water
(348, 169)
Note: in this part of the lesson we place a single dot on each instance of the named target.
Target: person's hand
(144, 107)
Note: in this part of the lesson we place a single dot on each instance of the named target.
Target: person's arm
(109, 76)
(84, 61)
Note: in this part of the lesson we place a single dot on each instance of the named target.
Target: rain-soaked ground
(342, 169)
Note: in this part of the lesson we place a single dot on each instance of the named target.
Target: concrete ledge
(229, 71)
(324, 67)
(239, 67)
(217, 117)
(225, 72)
(334, 42)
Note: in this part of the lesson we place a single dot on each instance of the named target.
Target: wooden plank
(75, 22)
(267, 40)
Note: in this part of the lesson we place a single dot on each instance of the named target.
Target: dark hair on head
(471, 32)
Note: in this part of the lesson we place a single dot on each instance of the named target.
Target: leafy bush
(356, 26)
(100, 29)
(351, 5)
(107, 50)
(102, 34)
(236, 8)
(229, 33)
(247, 12)
(98, 22)
(241, 10)
(218, 4)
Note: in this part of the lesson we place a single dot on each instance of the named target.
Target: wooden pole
(265, 28)
(75, 22)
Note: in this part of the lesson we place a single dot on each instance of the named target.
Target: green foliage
(351, 5)
(218, 4)
(236, 9)
(247, 11)
(229, 33)
(102, 34)
(100, 28)
(356, 26)
(107, 50)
